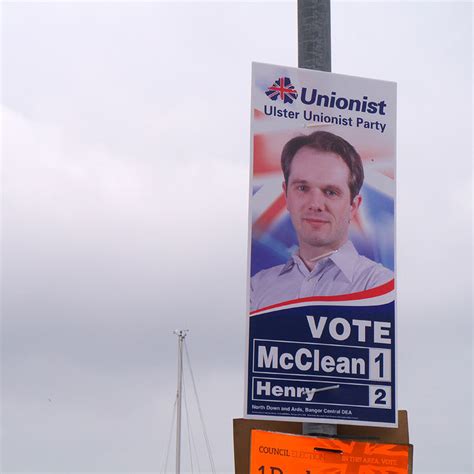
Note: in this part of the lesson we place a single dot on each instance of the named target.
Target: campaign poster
(281, 453)
(321, 332)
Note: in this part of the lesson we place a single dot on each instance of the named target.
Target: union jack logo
(284, 89)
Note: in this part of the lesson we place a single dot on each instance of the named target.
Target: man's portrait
(322, 180)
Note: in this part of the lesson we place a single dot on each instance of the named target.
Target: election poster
(321, 326)
(281, 453)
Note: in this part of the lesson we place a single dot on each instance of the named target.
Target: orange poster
(279, 453)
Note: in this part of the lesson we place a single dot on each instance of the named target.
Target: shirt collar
(345, 258)
(289, 264)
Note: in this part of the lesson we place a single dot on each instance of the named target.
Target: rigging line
(187, 424)
(192, 440)
(208, 445)
(173, 418)
(196, 453)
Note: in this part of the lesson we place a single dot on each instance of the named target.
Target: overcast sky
(125, 151)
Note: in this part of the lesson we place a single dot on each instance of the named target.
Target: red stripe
(360, 295)
(267, 217)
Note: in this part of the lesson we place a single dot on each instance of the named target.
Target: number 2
(380, 393)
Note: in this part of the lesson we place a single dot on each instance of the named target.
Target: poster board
(242, 429)
(283, 453)
(321, 326)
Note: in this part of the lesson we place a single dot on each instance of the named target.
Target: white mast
(181, 333)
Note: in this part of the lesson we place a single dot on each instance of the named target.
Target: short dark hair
(327, 142)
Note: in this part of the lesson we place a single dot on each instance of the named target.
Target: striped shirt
(343, 272)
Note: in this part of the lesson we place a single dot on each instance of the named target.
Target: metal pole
(314, 34)
(314, 52)
(181, 335)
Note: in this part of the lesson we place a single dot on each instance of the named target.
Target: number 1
(379, 360)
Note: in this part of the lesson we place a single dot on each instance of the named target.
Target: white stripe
(267, 194)
(379, 181)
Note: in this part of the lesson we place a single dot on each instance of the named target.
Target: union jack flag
(284, 89)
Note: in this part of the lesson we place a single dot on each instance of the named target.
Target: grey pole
(314, 52)
(181, 335)
(314, 34)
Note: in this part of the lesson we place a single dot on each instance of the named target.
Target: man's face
(318, 200)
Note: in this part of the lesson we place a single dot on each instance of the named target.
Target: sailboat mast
(181, 333)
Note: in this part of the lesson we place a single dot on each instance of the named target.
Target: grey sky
(125, 174)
